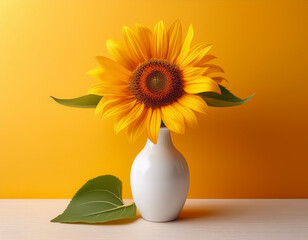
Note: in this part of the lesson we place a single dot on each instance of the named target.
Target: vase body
(160, 179)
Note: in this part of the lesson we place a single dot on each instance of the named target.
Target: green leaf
(225, 99)
(87, 101)
(99, 200)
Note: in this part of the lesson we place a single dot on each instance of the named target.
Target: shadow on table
(121, 222)
(196, 213)
(187, 214)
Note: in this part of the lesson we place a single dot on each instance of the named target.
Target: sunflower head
(154, 77)
(156, 83)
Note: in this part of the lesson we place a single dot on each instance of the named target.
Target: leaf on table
(99, 200)
(87, 101)
(225, 99)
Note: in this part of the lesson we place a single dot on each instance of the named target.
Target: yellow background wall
(258, 150)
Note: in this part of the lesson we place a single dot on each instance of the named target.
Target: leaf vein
(104, 190)
(98, 202)
(108, 210)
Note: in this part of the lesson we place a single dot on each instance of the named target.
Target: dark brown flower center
(157, 83)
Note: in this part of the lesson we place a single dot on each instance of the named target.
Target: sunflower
(154, 79)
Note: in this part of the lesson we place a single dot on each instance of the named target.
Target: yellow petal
(110, 65)
(173, 119)
(133, 44)
(104, 103)
(145, 36)
(175, 41)
(196, 54)
(120, 54)
(212, 69)
(136, 127)
(97, 73)
(219, 79)
(109, 76)
(103, 89)
(159, 41)
(204, 60)
(186, 45)
(193, 102)
(129, 116)
(110, 71)
(189, 116)
(190, 73)
(118, 107)
(201, 84)
(153, 124)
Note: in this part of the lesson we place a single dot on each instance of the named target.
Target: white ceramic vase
(160, 179)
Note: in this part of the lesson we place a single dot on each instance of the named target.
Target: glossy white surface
(160, 179)
(209, 219)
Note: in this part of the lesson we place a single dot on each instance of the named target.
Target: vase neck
(164, 138)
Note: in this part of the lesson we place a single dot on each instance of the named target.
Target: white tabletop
(200, 219)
